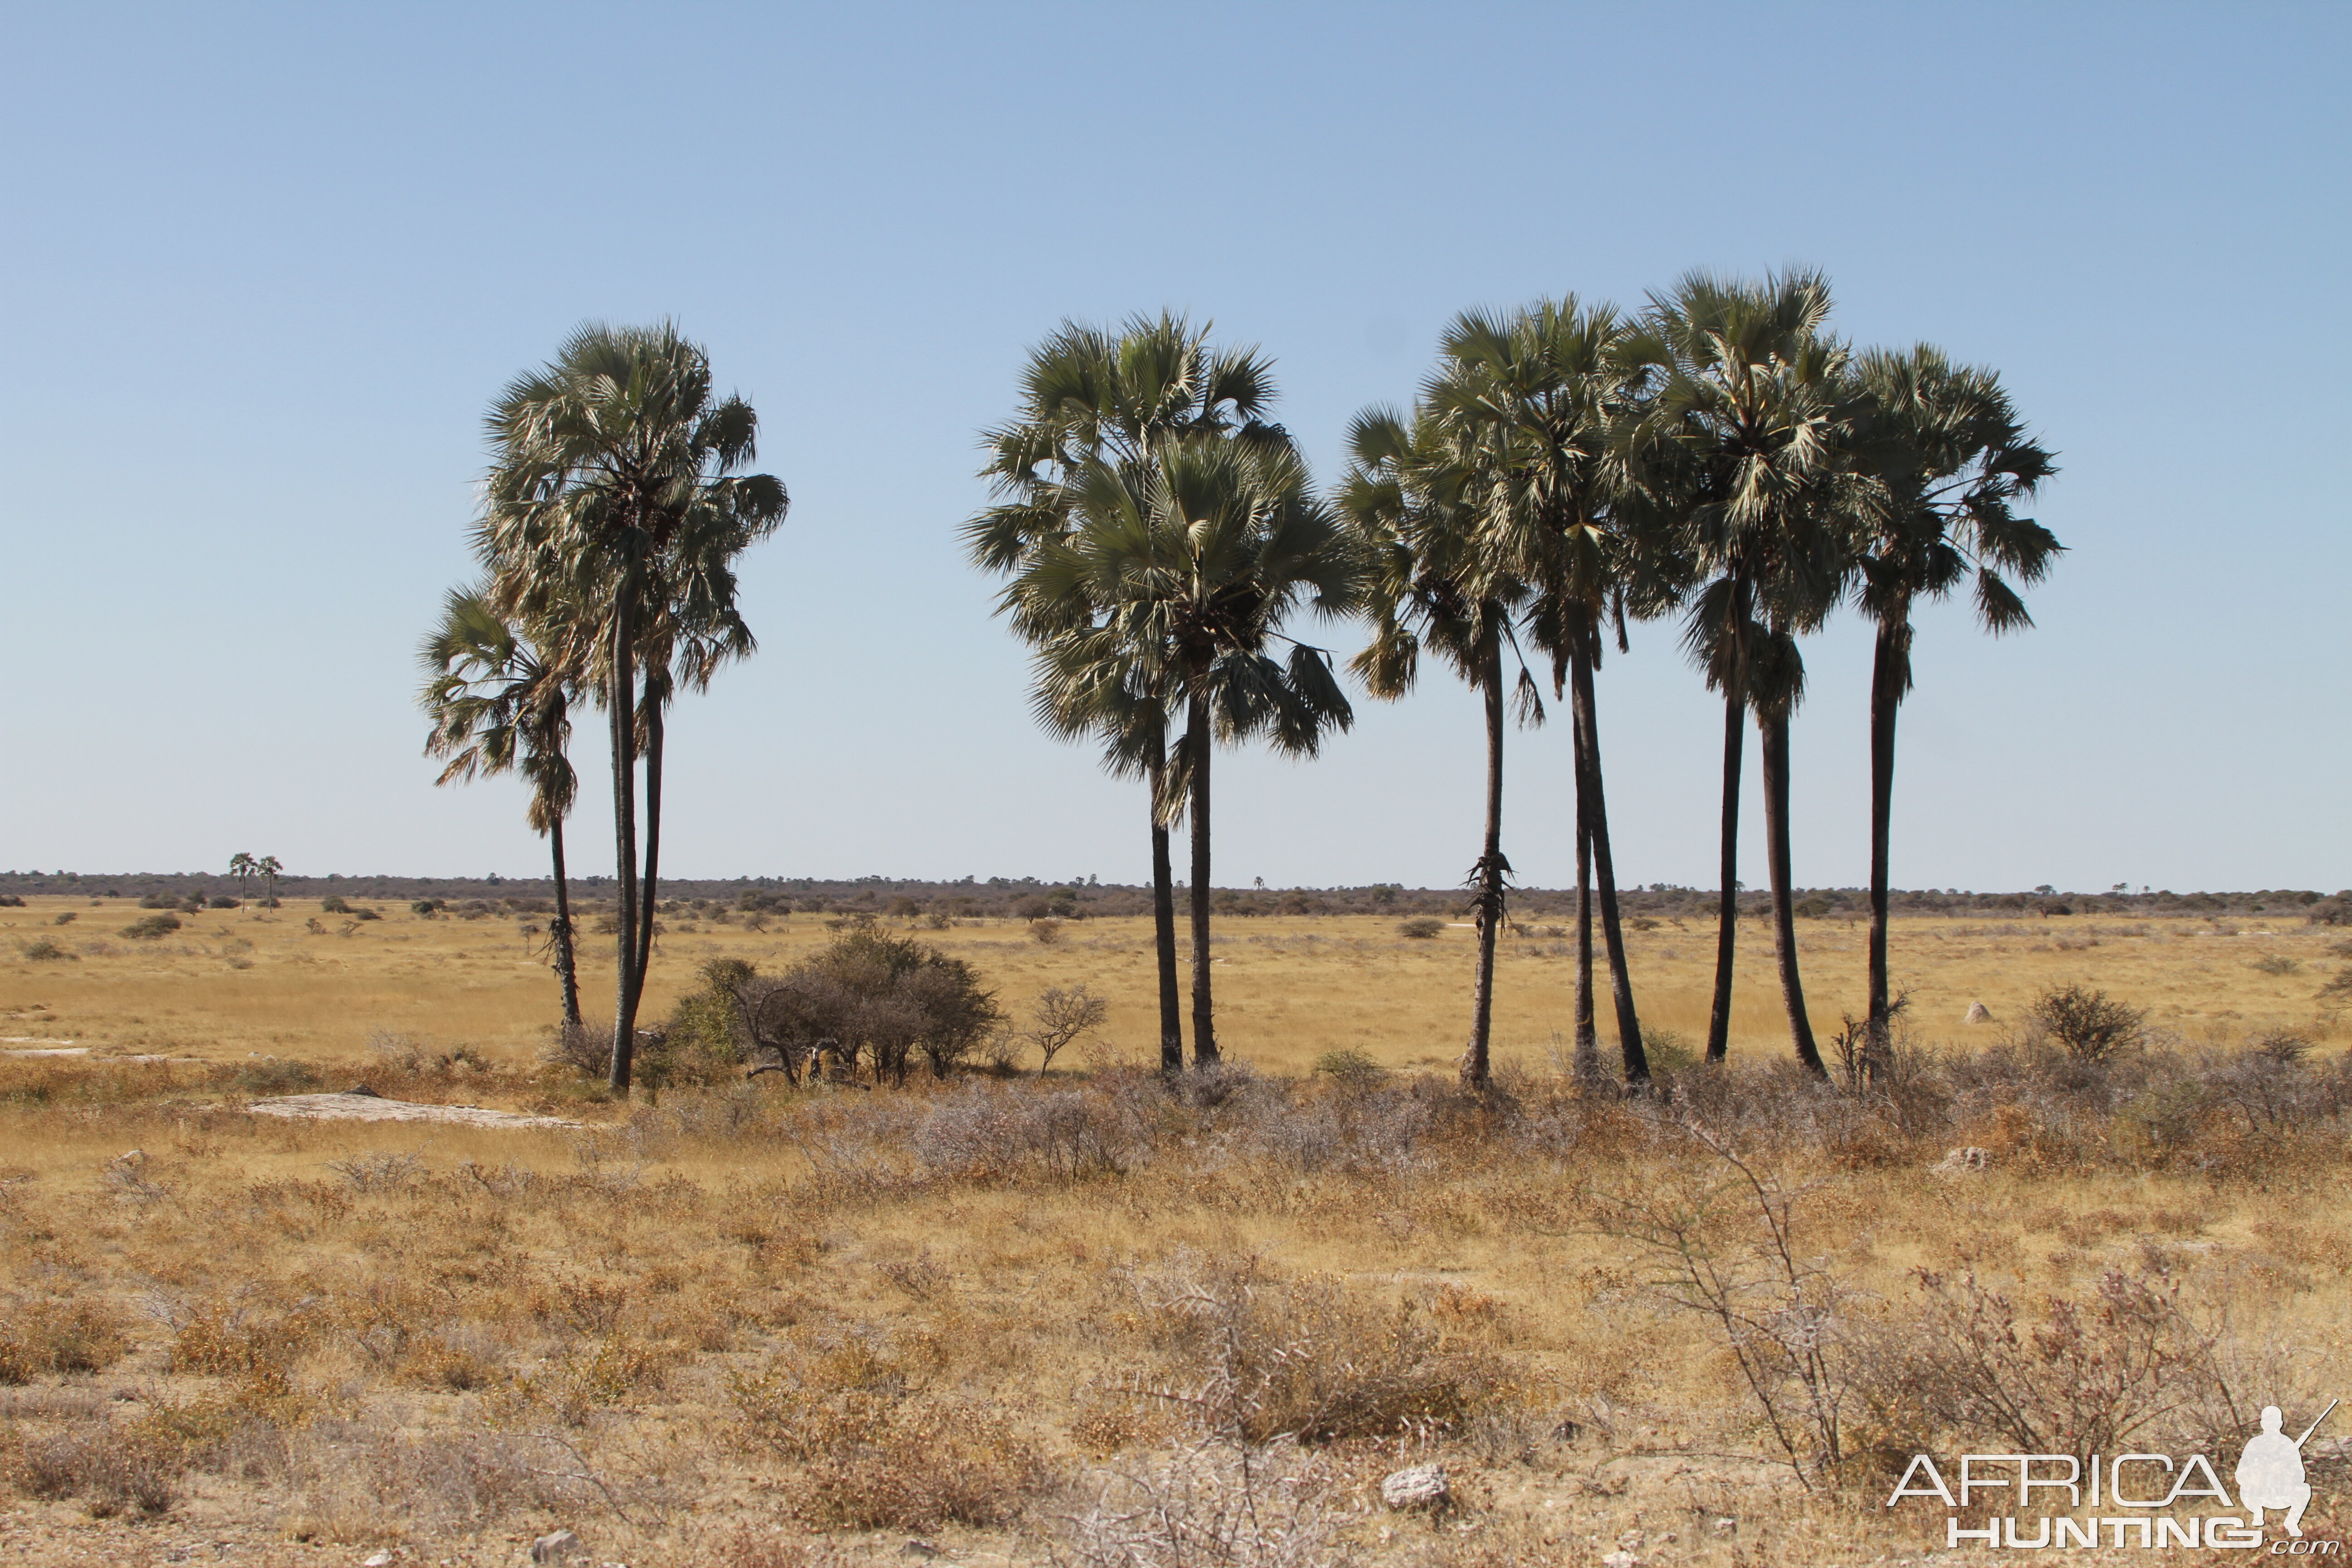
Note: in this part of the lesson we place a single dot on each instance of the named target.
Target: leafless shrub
(127, 1177)
(1719, 1241)
(586, 1051)
(1420, 927)
(382, 1171)
(113, 1468)
(2276, 964)
(982, 1133)
(1258, 1357)
(2055, 1375)
(877, 1448)
(401, 1053)
(1047, 931)
(1061, 1018)
(1216, 1504)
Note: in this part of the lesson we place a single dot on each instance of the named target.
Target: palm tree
(1088, 396)
(242, 867)
(498, 702)
(1746, 446)
(613, 487)
(267, 868)
(1180, 570)
(1950, 458)
(1435, 584)
(1530, 406)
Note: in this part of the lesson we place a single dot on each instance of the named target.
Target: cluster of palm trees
(613, 516)
(1719, 457)
(247, 870)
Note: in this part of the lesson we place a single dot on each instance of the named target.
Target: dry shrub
(2142, 1360)
(58, 1337)
(595, 1374)
(348, 1480)
(2090, 1024)
(113, 1468)
(225, 1342)
(454, 1361)
(1256, 1356)
(1216, 1504)
(982, 1133)
(879, 1449)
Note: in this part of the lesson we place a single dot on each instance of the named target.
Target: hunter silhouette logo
(2150, 1494)
(2269, 1472)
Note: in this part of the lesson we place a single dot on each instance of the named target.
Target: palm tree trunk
(1587, 1039)
(1594, 811)
(1196, 735)
(1726, 929)
(1476, 1061)
(645, 893)
(566, 969)
(1888, 669)
(1774, 727)
(620, 700)
(1164, 926)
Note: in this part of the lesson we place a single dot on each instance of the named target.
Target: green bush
(2091, 1025)
(871, 995)
(333, 904)
(1421, 928)
(151, 927)
(41, 950)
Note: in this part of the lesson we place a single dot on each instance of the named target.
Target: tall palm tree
(1530, 406)
(1183, 570)
(501, 701)
(613, 485)
(244, 867)
(1088, 396)
(1747, 444)
(269, 868)
(1435, 584)
(1950, 458)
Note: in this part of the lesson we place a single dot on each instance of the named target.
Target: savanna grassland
(1109, 1317)
(227, 986)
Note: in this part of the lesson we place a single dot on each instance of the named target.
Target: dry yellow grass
(233, 983)
(742, 1326)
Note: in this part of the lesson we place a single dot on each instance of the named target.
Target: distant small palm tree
(498, 702)
(1951, 457)
(267, 868)
(242, 867)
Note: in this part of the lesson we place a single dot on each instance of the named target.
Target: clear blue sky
(263, 267)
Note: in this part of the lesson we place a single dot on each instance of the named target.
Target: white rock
(555, 1548)
(1422, 1486)
(1620, 1560)
(380, 1558)
(1978, 1014)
